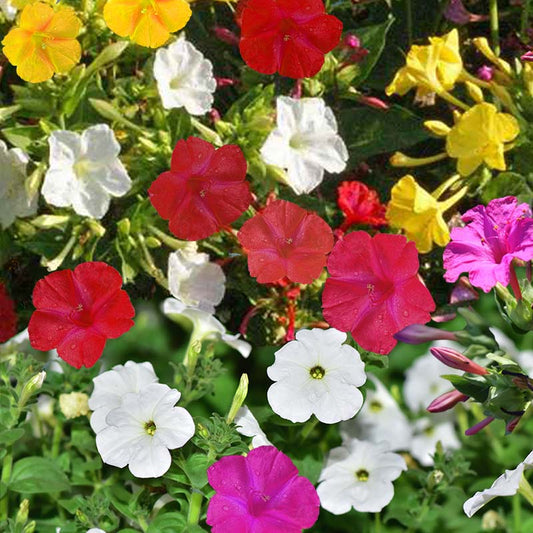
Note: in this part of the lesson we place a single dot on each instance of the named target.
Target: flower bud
(238, 398)
(446, 401)
(31, 387)
(434, 478)
(479, 426)
(22, 513)
(419, 333)
(455, 359)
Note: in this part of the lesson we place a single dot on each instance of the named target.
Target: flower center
(258, 502)
(82, 167)
(317, 372)
(297, 142)
(177, 81)
(429, 431)
(362, 475)
(376, 406)
(150, 428)
(81, 316)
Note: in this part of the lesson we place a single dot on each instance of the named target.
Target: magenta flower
(486, 246)
(260, 493)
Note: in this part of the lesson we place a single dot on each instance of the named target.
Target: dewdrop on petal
(74, 404)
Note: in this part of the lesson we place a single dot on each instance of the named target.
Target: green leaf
(3, 489)
(10, 436)
(33, 475)
(112, 113)
(167, 523)
(22, 136)
(508, 184)
(479, 390)
(107, 56)
(196, 469)
(6, 112)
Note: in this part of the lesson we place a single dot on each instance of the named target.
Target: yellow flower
(146, 22)
(44, 42)
(419, 213)
(433, 68)
(479, 136)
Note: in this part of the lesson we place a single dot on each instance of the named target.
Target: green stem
(494, 26)
(517, 521)
(409, 17)
(524, 20)
(56, 438)
(308, 428)
(195, 508)
(6, 475)
(455, 101)
(377, 523)
(525, 490)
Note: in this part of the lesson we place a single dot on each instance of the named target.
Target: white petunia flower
(247, 425)
(523, 357)
(427, 432)
(205, 325)
(143, 429)
(507, 484)
(305, 142)
(380, 419)
(194, 280)
(317, 374)
(184, 78)
(95, 530)
(13, 196)
(359, 474)
(111, 386)
(85, 171)
(9, 10)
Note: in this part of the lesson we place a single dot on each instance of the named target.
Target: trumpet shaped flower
(44, 42)
(146, 22)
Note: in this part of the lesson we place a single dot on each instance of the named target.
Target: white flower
(507, 484)
(316, 374)
(8, 9)
(305, 142)
(184, 78)
(95, 530)
(205, 325)
(359, 474)
(111, 386)
(143, 429)
(427, 432)
(523, 357)
(380, 419)
(13, 196)
(247, 425)
(194, 280)
(85, 170)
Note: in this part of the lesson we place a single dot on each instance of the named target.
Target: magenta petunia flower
(492, 238)
(260, 493)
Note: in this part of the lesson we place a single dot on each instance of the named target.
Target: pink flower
(373, 289)
(492, 238)
(260, 493)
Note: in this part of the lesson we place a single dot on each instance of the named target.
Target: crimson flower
(373, 289)
(204, 190)
(286, 240)
(77, 311)
(287, 36)
(8, 317)
(360, 205)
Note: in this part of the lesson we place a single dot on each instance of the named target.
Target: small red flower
(8, 317)
(360, 205)
(204, 190)
(77, 311)
(287, 36)
(286, 240)
(373, 289)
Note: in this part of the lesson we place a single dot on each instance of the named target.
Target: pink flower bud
(528, 56)
(352, 41)
(455, 359)
(446, 401)
(485, 73)
(226, 35)
(225, 82)
(479, 426)
(374, 102)
(418, 334)
(511, 425)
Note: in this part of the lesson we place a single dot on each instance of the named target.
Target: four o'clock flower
(317, 374)
(85, 171)
(305, 142)
(455, 359)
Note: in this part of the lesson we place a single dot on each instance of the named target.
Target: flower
(316, 374)
(427, 433)
(287, 36)
(454, 359)
(373, 289)
(85, 171)
(419, 334)
(194, 280)
(44, 42)
(205, 325)
(433, 68)
(146, 23)
(247, 425)
(77, 311)
(480, 136)
(8, 9)
(13, 196)
(184, 78)
(74, 404)
(143, 429)
(8, 317)
(111, 386)
(359, 474)
(486, 246)
(379, 420)
(508, 484)
(360, 205)
(286, 240)
(260, 492)
(420, 214)
(305, 142)
(204, 190)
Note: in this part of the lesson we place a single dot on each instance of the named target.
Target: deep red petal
(375, 330)
(56, 291)
(259, 16)
(113, 318)
(227, 164)
(95, 282)
(266, 266)
(397, 257)
(82, 347)
(262, 52)
(300, 59)
(323, 32)
(167, 193)
(191, 156)
(47, 330)
(301, 11)
(227, 202)
(193, 220)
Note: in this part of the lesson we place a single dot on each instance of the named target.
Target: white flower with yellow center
(85, 171)
(427, 432)
(317, 374)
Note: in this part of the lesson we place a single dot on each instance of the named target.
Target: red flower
(286, 240)
(77, 311)
(8, 317)
(373, 289)
(204, 190)
(360, 205)
(287, 36)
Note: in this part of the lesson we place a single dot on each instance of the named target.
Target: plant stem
(195, 508)
(514, 283)
(56, 438)
(524, 19)
(516, 514)
(308, 428)
(6, 475)
(409, 17)
(494, 26)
